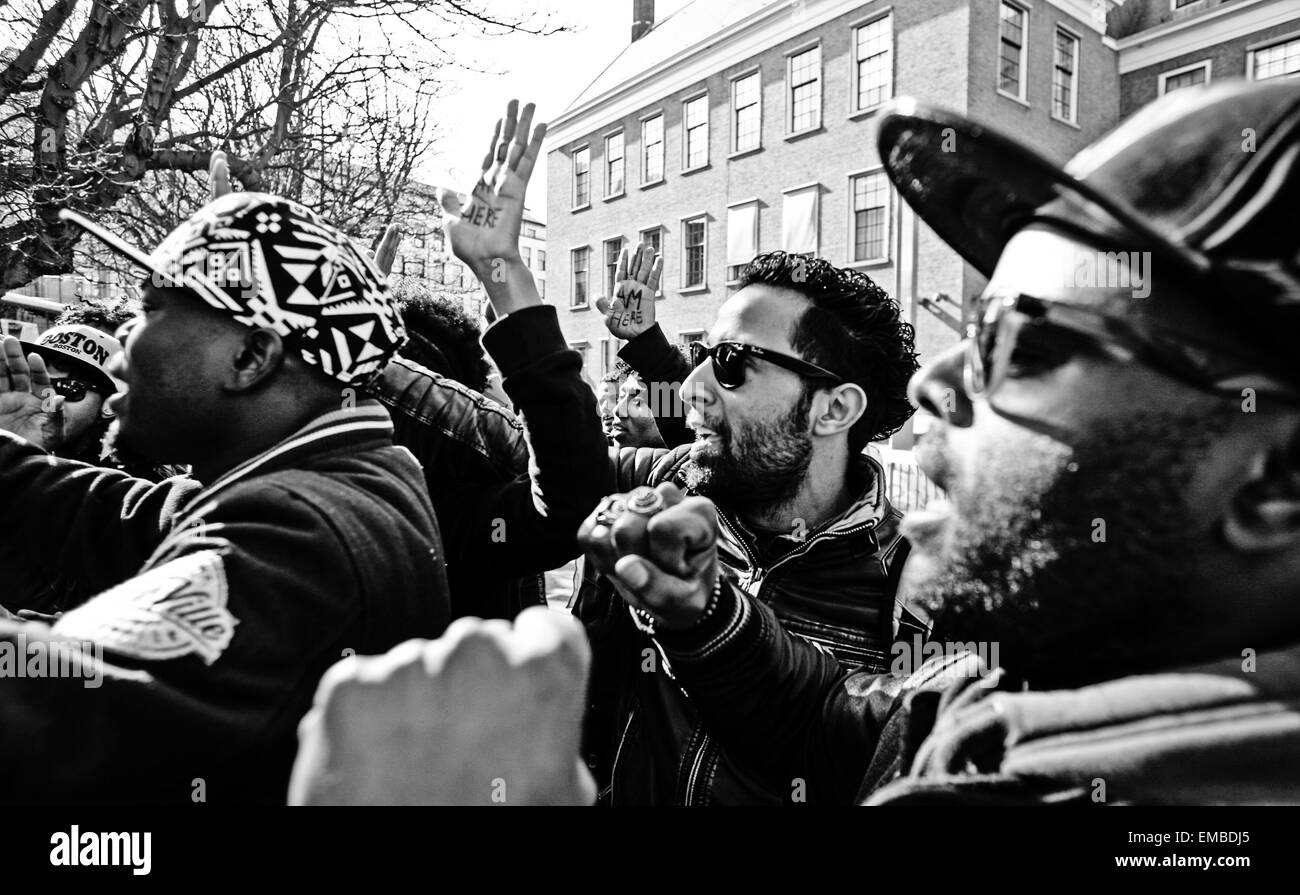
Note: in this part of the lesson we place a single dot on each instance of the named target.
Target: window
(451, 274)
(582, 177)
(614, 164)
(582, 348)
(805, 79)
(437, 240)
(419, 237)
(581, 258)
(800, 232)
(1179, 4)
(873, 54)
(652, 150)
(1282, 60)
(694, 239)
(412, 267)
(609, 354)
(1187, 76)
(870, 224)
(612, 249)
(541, 260)
(745, 113)
(654, 237)
(688, 336)
(528, 256)
(695, 114)
(530, 231)
(1065, 75)
(1011, 62)
(742, 238)
(436, 271)
(541, 289)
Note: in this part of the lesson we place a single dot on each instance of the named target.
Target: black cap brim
(976, 187)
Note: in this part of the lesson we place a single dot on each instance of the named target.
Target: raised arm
(631, 316)
(530, 524)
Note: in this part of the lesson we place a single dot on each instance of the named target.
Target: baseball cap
(1207, 179)
(83, 350)
(270, 262)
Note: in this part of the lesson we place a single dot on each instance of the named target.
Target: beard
(759, 465)
(1077, 561)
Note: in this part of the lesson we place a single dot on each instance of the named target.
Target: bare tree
(110, 107)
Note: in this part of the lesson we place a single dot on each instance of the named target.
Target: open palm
(28, 406)
(483, 228)
(636, 280)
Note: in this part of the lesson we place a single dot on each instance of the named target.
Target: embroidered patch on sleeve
(165, 613)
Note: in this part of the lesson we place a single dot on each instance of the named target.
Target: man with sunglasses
(1123, 468)
(805, 365)
(77, 358)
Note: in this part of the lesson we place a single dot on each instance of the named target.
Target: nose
(938, 389)
(620, 409)
(699, 389)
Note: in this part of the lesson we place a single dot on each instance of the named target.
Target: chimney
(643, 18)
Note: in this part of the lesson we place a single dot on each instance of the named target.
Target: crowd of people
(326, 541)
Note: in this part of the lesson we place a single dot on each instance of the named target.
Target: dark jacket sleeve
(530, 524)
(663, 370)
(776, 702)
(94, 526)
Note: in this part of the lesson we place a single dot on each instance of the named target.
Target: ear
(1264, 514)
(259, 355)
(839, 410)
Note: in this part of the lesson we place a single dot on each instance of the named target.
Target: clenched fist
(489, 713)
(659, 548)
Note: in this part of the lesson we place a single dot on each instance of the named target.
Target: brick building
(1171, 44)
(739, 126)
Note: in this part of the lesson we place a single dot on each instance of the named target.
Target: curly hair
(104, 314)
(442, 337)
(853, 329)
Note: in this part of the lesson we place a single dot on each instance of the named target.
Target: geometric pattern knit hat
(272, 263)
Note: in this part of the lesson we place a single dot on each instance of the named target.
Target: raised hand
(483, 228)
(663, 560)
(487, 714)
(636, 279)
(28, 405)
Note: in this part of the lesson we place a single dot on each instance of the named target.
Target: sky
(549, 71)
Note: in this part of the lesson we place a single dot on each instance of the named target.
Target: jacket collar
(349, 427)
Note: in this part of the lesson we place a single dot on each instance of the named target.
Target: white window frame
(687, 336)
(686, 142)
(703, 285)
(572, 271)
(1266, 45)
(1074, 76)
(617, 132)
(1174, 7)
(854, 109)
(851, 241)
(754, 72)
(605, 275)
(1164, 77)
(663, 235)
(1023, 95)
(663, 147)
(790, 132)
(585, 147)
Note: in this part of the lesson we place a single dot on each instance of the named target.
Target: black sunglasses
(1016, 330)
(72, 390)
(729, 362)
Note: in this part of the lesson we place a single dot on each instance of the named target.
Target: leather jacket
(834, 588)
